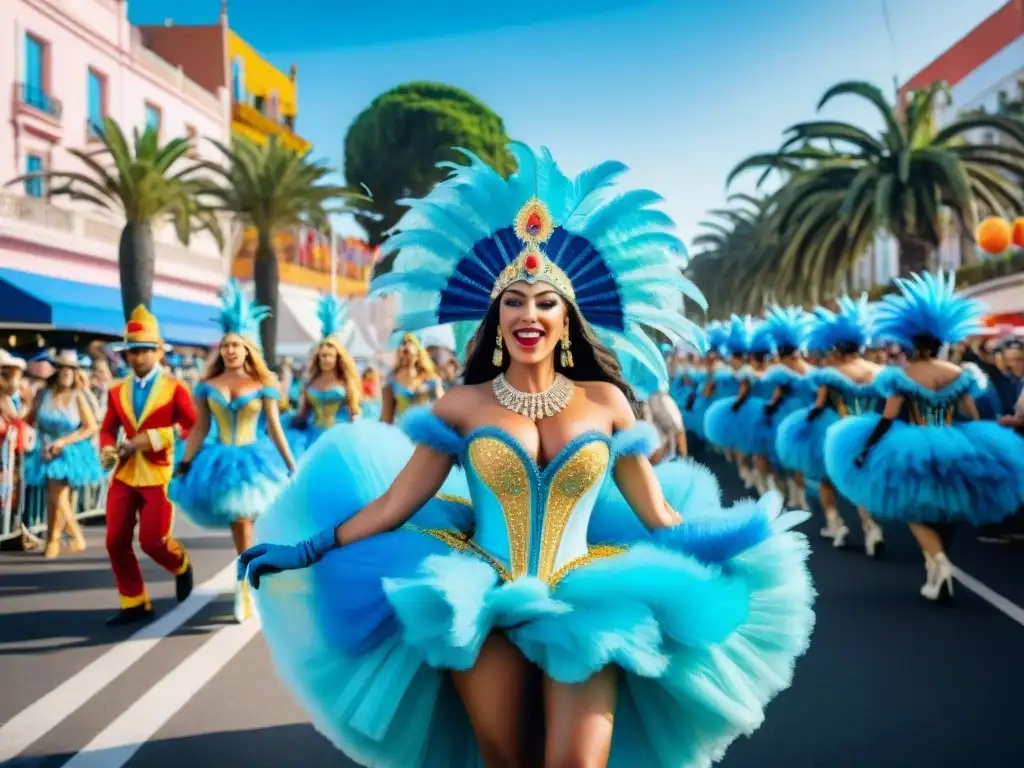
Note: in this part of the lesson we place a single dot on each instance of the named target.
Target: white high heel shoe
(874, 541)
(939, 587)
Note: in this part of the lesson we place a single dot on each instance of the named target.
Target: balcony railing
(253, 118)
(37, 98)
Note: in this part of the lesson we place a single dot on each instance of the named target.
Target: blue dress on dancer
(704, 619)
(693, 615)
(78, 464)
(236, 475)
(328, 407)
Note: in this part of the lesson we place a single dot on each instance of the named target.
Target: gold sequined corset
(925, 414)
(533, 522)
(329, 406)
(237, 421)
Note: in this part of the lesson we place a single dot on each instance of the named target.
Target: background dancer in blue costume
(706, 383)
(65, 457)
(430, 631)
(729, 382)
(844, 388)
(333, 389)
(791, 384)
(230, 481)
(916, 462)
(413, 381)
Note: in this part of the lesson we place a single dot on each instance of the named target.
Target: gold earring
(566, 354)
(499, 355)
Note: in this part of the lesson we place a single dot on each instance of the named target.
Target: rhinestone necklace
(534, 406)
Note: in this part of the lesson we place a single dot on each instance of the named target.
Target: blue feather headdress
(852, 324)
(928, 306)
(641, 379)
(715, 336)
(605, 250)
(241, 315)
(737, 340)
(333, 316)
(819, 335)
(789, 327)
(762, 341)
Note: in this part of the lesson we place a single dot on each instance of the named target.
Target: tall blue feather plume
(762, 341)
(819, 337)
(717, 336)
(852, 324)
(241, 315)
(623, 261)
(332, 314)
(789, 326)
(928, 306)
(737, 341)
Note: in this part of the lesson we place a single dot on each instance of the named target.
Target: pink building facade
(65, 65)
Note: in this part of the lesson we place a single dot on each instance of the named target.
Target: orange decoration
(1018, 232)
(994, 235)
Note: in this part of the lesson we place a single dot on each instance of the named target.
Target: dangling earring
(566, 354)
(499, 355)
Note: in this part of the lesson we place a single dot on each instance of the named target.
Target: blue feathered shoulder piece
(928, 306)
(737, 340)
(611, 251)
(789, 326)
(332, 314)
(762, 341)
(716, 336)
(241, 315)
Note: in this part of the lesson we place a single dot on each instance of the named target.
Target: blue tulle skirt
(745, 430)
(706, 619)
(972, 471)
(800, 444)
(229, 482)
(78, 465)
(301, 438)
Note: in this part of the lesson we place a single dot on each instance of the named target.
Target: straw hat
(7, 360)
(66, 358)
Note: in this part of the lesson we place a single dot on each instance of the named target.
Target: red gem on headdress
(531, 263)
(534, 224)
(134, 327)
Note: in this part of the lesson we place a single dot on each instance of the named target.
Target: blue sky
(680, 90)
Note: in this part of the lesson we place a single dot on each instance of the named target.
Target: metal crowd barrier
(24, 507)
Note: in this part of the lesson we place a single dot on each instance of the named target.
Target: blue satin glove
(274, 558)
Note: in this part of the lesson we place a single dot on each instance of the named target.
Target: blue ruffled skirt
(78, 465)
(972, 471)
(746, 430)
(800, 444)
(229, 482)
(706, 619)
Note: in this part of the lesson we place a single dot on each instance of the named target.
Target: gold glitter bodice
(529, 521)
(237, 421)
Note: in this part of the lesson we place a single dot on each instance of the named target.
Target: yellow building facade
(264, 100)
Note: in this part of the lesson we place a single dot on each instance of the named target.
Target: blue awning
(49, 303)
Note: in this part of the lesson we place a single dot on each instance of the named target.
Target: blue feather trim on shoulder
(424, 428)
(781, 376)
(843, 384)
(893, 382)
(639, 440)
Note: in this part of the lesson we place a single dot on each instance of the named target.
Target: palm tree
(271, 188)
(145, 183)
(853, 183)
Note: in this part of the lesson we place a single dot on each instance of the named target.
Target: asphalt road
(889, 682)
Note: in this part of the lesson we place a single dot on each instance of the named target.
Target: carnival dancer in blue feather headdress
(791, 385)
(390, 591)
(711, 373)
(735, 423)
(917, 462)
(230, 481)
(844, 388)
(332, 390)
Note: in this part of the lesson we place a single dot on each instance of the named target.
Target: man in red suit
(151, 409)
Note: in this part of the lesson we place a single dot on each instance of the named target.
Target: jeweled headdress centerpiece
(533, 226)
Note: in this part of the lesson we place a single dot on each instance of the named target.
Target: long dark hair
(592, 360)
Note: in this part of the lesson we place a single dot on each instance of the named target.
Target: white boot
(874, 542)
(760, 483)
(792, 494)
(939, 586)
(835, 528)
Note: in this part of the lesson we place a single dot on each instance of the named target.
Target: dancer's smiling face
(327, 357)
(532, 319)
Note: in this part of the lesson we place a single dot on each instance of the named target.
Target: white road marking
(990, 596)
(116, 744)
(38, 719)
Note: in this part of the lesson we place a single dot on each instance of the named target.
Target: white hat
(66, 358)
(7, 360)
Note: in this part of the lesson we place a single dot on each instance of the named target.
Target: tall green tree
(145, 181)
(270, 188)
(846, 183)
(393, 147)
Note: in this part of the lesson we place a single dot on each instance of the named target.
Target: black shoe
(133, 615)
(183, 584)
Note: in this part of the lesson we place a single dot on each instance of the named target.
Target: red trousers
(155, 515)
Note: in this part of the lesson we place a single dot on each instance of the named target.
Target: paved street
(889, 682)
